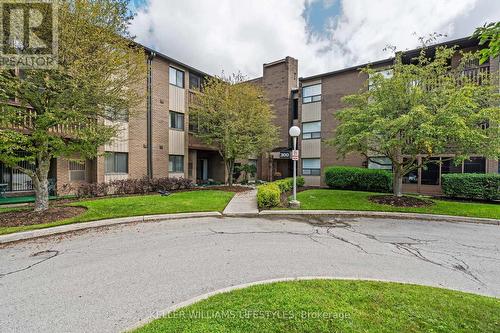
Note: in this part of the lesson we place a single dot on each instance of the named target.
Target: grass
(180, 202)
(345, 306)
(355, 200)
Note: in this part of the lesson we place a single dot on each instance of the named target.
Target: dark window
(116, 163)
(311, 94)
(194, 82)
(430, 172)
(295, 108)
(176, 163)
(311, 167)
(411, 177)
(475, 165)
(311, 130)
(448, 166)
(176, 120)
(176, 77)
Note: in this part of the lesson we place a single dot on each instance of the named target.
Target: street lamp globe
(294, 131)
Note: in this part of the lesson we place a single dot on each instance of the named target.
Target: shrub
(91, 190)
(471, 186)
(133, 186)
(360, 179)
(286, 185)
(269, 195)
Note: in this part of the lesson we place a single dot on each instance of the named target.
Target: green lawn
(355, 200)
(180, 202)
(343, 306)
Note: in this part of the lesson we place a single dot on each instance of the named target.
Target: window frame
(177, 115)
(312, 135)
(198, 88)
(176, 71)
(174, 169)
(77, 171)
(313, 98)
(115, 171)
(311, 171)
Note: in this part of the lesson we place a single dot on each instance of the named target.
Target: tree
(489, 35)
(425, 108)
(233, 116)
(59, 112)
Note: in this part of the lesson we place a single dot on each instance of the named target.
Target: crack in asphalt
(459, 266)
(308, 235)
(53, 254)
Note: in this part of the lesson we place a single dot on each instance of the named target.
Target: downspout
(149, 115)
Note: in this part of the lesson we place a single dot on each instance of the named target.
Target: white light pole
(294, 133)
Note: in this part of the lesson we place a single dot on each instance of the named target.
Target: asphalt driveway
(107, 280)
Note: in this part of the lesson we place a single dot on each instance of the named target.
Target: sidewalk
(242, 204)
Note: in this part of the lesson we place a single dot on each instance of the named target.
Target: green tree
(425, 108)
(53, 113)
(234, 117)
(488, 35)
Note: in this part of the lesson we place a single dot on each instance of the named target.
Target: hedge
(130, 186)
(360, 179)
(269, 194)
(471, 186)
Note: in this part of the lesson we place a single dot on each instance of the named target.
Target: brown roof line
(464, 42)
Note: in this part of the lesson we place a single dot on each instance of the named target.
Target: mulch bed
(222, 188)
(400, 201)
(29, 217)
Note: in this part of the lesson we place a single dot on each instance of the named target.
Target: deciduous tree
(233, 116)
(424, 108)
(54, 113)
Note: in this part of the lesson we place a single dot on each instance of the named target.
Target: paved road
(107, 280)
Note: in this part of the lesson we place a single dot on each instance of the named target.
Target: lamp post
(294, 133)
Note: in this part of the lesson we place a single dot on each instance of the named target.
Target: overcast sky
(324, 35)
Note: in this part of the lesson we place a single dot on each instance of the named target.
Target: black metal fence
(15, 180)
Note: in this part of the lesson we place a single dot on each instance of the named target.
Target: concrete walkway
(243, 204)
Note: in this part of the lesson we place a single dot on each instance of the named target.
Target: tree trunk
(397, 182)
(230, 171)
(41, 186)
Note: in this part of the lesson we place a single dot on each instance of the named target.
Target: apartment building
(156, 140)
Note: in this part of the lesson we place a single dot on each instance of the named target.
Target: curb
(390, 215)
(25, 235)
(191, 301)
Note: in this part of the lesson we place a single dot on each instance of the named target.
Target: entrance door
(202, 172)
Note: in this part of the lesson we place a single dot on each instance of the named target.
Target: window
(475, 165)
(116, 163)
(175, 163)
(311, 93)
(176, 120)
(311, 167)
(116, 115)
(412, 176)
(76, 171)
(176, 77)
(448, 166)
(381, 162)
(386, 74)
(311, 130)
(430, 172)
(194, 82)
(295, 108)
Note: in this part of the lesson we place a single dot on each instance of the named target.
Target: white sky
(241, 35)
